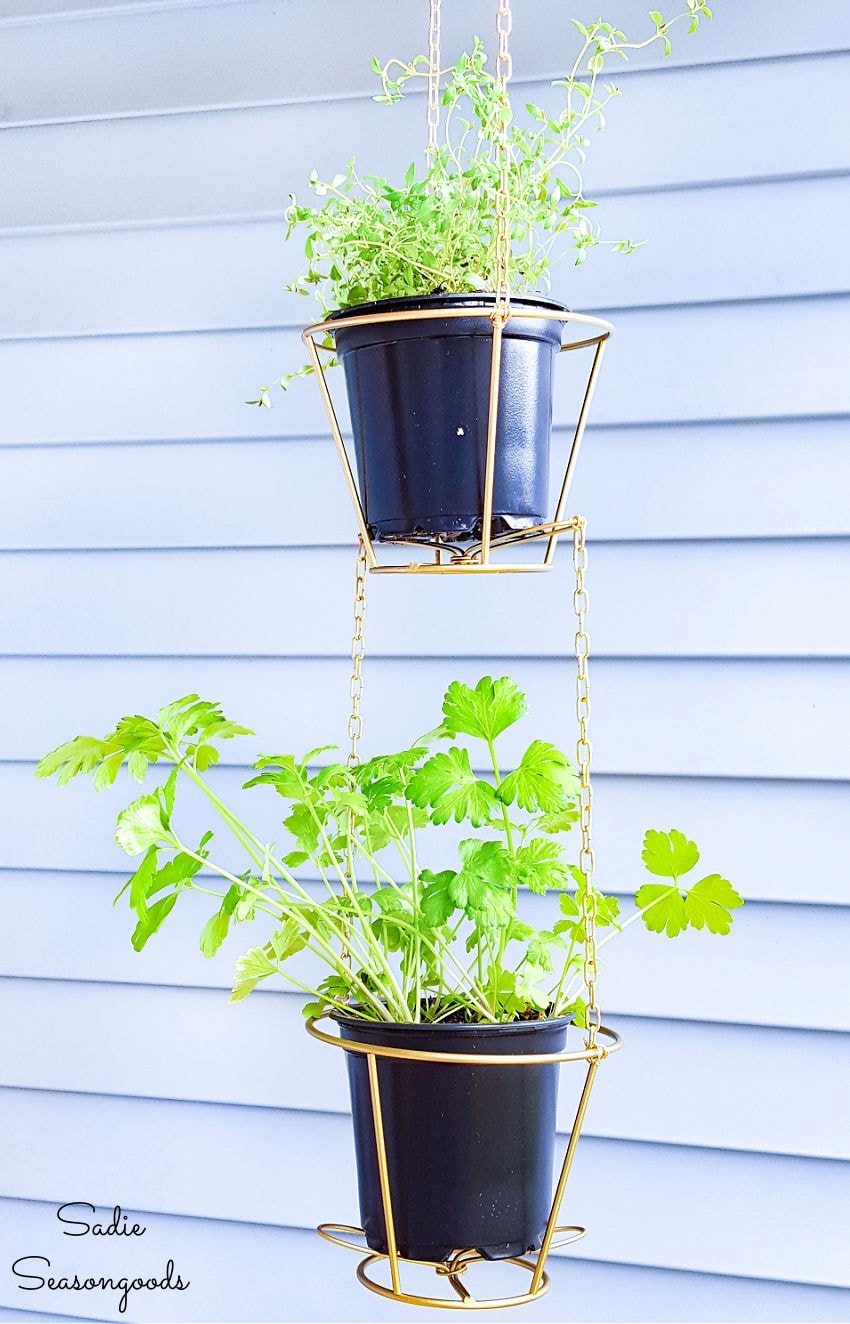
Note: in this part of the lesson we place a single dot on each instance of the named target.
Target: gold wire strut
(433, 79)
(358, 650)
(581, 602)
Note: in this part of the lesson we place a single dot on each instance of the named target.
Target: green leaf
(141, 825)
(448, 783)
(215, 930)
(151, 921)
(560, 821)
(486, 711)
(540, 952)
(664, 908)
(545, 779)
(178, 870)
(709, 903)
(436, 902)
(141, 884)
(250, 969)
(479, 886)
(284, 773)
(669, 854)
(540, 867)
(288, 940)
(304, 828)
(76, 756)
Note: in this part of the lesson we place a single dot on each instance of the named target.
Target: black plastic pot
(470, 1149)
(418, 393)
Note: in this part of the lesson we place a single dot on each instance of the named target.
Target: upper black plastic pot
(418, 393)
(470, 1150)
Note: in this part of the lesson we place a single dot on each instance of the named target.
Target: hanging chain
(355, 687)
(433, 79)
(503, 237)
(581, 602)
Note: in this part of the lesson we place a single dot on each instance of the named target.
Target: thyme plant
(435, 232)
(398, 941)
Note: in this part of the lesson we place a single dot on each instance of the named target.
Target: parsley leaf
(710, 901)
(539, 866)
(479, 887)
(144, 823)
(436, 901)
(669, 854)
(545, 779)
(486, 711)
(448, 783)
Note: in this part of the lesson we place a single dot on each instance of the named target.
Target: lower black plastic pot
(470, 1150)
(418, 393)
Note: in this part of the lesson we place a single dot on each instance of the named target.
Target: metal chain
(433, 79)
(581, 602)
(503, 238)
(355, 686)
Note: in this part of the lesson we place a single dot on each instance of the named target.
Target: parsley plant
(399, 941)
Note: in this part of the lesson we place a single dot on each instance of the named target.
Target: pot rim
(416, 301)
(483, 1029)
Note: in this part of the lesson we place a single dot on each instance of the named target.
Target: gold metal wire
(453, 1269)
(503, 228)
(581, 602)
(358, 649)
(433, 78)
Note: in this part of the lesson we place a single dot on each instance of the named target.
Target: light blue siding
(157, 536)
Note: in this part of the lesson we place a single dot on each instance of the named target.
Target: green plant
(370, 239)
(400, 941)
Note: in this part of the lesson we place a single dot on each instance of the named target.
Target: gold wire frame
(477, 558)
(453, 1269)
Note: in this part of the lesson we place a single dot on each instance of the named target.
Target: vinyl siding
(151, 149)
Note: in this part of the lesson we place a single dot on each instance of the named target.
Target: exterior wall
(156, 536)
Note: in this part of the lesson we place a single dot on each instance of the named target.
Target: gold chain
(581, 602)
(503, 237)
(433, 79)
(355, 687)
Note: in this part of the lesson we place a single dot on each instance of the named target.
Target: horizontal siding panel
(183, 56)
(649, 717)
(195, 1045)
(714, 123)
(768, 360)
(210, 276)
(662, 1205)
(742, 979)
(744, 480)
(319, 1284)
(649, 600)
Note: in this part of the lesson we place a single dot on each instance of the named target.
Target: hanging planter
(450, 399)
(483, 1167)
(448, 449)
(457, 1166)
(418, 395)
(451, 1009)
(469, 1149)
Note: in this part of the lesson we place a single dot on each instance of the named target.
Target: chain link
(355, 685)
(581, 602)
(504, 70)
(433, 79)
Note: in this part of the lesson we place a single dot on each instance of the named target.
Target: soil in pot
(418, 393)
(470, 1150)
